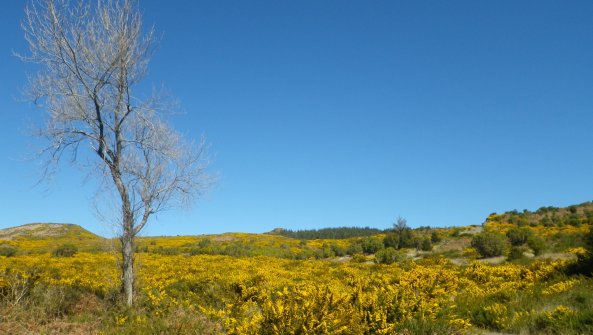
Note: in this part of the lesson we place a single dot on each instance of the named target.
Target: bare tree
(92, 56)
(400, 224)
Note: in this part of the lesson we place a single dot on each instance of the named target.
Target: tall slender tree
(92, 56)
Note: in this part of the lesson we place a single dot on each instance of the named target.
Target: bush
(426, 245)
(586, 260)
(589, 241)
(489, 244)
(391, 241)
(325, 252)
(434, 237)
(359, 258)
(327, 312)
(516, 253)
(519, 236)
(537, 244)
(407, 238)
(371, 245)
(170, 251)
(388, 256)
(338, 250)
(354, 248)
(65, 250)
(7, 250)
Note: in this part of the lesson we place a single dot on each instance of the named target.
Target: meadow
(271, 284)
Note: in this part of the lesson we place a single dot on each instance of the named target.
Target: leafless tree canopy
(92, 56)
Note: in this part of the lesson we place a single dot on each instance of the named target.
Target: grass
(533, 311)
(70, 310)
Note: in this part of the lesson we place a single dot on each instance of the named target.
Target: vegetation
(401, 236)
(65, 250)
(585, 258)
(489, 244)
(575, 215)
(549, 229)
(271, 284)
(327, 233)
(388, 255)
(263, 295)
(7, 250)
(92, 57)
(537, 244)
(519, 235)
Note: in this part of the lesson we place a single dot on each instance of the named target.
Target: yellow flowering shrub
(266, 295)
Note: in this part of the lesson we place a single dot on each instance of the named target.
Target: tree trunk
(127, 252)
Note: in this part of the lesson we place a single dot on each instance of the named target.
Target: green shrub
(489, 244)
(426, 245)
(434, 237)
(325, 252)
(519, 236)
(589, 241)
(537, 244)
(388, 256)
(355, 248)
(338, 250)
(65, 250)
(7, 250)
(516, 253)
(371, 245)
(168, 251)
(586, 260)
(391, 241)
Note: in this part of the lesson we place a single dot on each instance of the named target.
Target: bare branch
(91, 58)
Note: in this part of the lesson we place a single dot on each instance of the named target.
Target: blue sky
(347, 113)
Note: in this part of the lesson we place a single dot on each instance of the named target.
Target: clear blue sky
(347, 113)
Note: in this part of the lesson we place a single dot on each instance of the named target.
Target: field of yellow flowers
(265, 295)
(184, 287)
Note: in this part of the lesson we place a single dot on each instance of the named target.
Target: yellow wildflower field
(265, 295)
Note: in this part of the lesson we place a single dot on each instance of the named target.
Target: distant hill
(561, 228)
(44, 237)
(46, 230)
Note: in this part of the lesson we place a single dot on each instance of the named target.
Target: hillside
(240, 283)
(45, 230)
(562, 228)
(45, 237)
(574, 215)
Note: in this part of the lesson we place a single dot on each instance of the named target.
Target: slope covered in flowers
(278, 285)
(263, 295)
